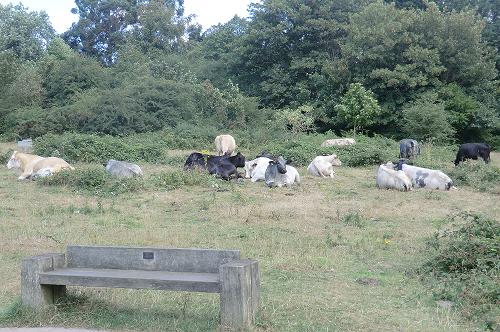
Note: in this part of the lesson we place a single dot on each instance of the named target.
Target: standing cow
(473, 151)
(225, 144)
(408, 148)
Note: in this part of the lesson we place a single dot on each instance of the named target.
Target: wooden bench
(44, 278)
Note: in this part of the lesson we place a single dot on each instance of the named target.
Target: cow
(256, 169)
(122, 169)
(323, 165)
(225, 166)
(225, 144)
(338, 142)
(425, 177)
(33, 166)
(279, 174)
(389, 178)
(196, 160)
(408, 148)
(473, 151)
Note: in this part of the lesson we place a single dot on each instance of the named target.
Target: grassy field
(334, 253)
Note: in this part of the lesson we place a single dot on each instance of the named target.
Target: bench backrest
(151, 259)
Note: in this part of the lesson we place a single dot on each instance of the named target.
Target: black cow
(473, 151)
(225, 166)
(196, 160)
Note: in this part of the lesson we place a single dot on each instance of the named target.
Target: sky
(208, 12)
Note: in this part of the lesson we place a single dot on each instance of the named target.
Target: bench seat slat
(182, 281)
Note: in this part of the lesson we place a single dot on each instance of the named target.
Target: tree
(299, 120)
(426, 119)
(105, 25)
(358, 107)
(26, 34)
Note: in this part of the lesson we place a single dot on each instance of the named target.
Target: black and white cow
(425, 178)
(408, 148)
(279, 174)
(473, 151)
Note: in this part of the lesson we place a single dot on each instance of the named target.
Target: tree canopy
(132, 66)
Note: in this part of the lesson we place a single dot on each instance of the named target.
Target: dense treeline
(411, 68)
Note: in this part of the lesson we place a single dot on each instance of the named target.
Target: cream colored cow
(32, 166)
(225, 144)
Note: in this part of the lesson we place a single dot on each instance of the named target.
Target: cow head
(13, 161)
(280, 163)
(249, 167)
(238, 160)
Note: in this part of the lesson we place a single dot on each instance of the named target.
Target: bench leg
(239, 297)
(33, 294)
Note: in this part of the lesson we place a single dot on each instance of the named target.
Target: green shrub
(89, 178)
(463, 265)
(74, 147)
(476, 175)
(93, 179)
(367, 150)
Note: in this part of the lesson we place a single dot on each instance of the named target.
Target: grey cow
(408, 148)
(122, 169)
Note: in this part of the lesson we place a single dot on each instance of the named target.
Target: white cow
(323, 165)
(256, 169)
(338, 142)
(225, 144)
(389, 178)
(427, 178)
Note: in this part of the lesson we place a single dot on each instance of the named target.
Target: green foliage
(367, 150)
(463, 266)
(94, 180)
(477, 175)
(24, 33)
(298, 120)
(426, 119)
(358, 107)
(74, 147)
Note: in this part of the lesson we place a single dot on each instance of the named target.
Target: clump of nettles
(463, 267)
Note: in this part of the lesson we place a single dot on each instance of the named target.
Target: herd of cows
(275, 171)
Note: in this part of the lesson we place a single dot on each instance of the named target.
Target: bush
(427, 119)
(367, 150)
(476, 175)
(93, 179)
(463, 265)
(74, 147)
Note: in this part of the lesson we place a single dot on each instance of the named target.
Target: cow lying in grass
(32, 166)
(323, 165)
(256, 169)
(425, 177)
(279, 174)
(224, 166)
(389, 178)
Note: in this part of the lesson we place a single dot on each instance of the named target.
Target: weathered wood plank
(151, 259)
(138, 279)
